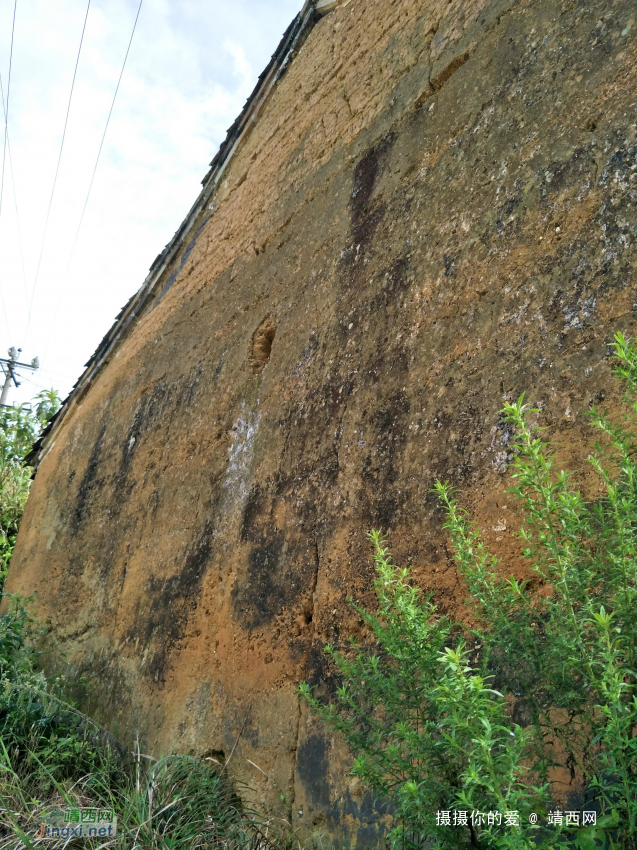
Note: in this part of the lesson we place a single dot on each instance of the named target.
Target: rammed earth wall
(434, 210)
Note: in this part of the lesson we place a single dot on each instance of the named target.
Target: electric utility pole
(9, 368)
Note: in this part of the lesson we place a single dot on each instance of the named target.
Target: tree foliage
(20, 426)
(427, 709)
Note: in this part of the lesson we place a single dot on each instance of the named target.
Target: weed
(53, 757)
(421, 708)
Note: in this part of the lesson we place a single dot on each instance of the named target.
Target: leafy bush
(425, 710)
(20, 426)
(15, 481)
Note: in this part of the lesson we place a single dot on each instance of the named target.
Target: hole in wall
(261, 344)
(215, 756)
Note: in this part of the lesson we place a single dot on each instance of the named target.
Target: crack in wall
(304, 664)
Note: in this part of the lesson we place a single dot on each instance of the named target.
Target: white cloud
(191, 67)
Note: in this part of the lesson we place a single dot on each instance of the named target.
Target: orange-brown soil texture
(434, 211)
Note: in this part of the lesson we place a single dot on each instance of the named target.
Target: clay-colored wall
(437, 210)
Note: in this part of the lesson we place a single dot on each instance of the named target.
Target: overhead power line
(6, 114)
(4, 150)
(10, 368)
(15, 199)
(88, 194)
(36, 383)
(6, 318)
(110, 112)
(57, 169)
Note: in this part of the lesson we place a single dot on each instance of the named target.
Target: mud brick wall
(435, 211)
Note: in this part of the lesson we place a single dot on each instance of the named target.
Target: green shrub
(424, 709)
(20, 426)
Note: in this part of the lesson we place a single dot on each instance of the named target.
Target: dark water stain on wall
(259, 596)
(168, 605)
(366, 213)
(380, 468)
(366, 174)
(91, 483)
(312, 765)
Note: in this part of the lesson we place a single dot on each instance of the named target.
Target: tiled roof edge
(292, 39)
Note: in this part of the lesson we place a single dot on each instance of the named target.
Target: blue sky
(191, 67)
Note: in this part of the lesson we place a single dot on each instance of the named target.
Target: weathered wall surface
(435, 210)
